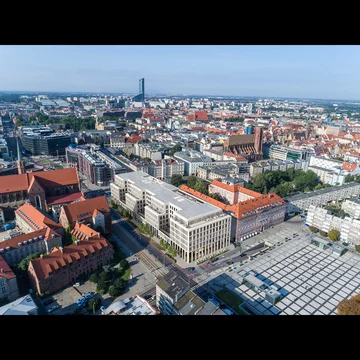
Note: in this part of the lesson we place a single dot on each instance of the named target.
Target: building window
(38, 201)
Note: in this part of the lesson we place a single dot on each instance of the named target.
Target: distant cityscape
(149, 204)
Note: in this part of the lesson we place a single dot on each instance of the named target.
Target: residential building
(93, 211)
(19, 247)
(8, 284)
(57, 202)
(37, 186)
(323, 220)
(63, 266)
(260, 167)
(298, 202)
(21, 306)
(352, 207)
(249, 217)
(29, 219)
(165, 168)
(192, 160)
(196, 230)
(90, 165)
(150, 151)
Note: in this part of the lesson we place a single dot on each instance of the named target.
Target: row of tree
(284, 183)
(349, 178)
(333, 234)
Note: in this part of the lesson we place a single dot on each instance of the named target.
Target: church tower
(20, 162)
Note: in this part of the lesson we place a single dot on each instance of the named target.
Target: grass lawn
(126, 274)
(230, 299)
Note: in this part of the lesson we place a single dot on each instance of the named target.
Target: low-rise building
(93, 211)
(299, 202)
(192, 160)
(260, 167)
(22, 306)
(63, 266)
(2, 217)
(8, 284)
(38, 241)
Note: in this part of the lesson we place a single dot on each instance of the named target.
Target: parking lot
(66, 299)
(312, 281)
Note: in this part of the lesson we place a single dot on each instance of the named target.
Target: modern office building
(299, 202)
(250, 216)
(192, 160)
(279, 152)
(196, 230)
(42, 140)
(141, 96)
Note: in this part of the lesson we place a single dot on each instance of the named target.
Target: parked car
(89, 295)
(53, 308)
(48, 301)
(77, 284)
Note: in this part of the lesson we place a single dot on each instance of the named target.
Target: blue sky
(326, 72)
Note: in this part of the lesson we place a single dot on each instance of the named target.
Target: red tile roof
(241, 209)
(5, 270)
(133, 139)
(14, 242)
(46, 179)
(39, 220)
(349, 167)
(235, 188)
(65, 199)
(73, 253)
(84, 209)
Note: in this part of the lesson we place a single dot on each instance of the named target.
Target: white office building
(196, 230)
(192, 160)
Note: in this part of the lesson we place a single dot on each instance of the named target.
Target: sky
(298, 71)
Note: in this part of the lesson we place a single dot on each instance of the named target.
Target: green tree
(24, 263)
(323, 233)
(124, 264)
(313, 229)
(201, 187)
(101, 285)
(349, 307)
(176, 180)
(114, 291)
(94, 278)
(120, 283)
(191, 183)
(334, 235)
(94, 303)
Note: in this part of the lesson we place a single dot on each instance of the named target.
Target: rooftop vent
(19, 243)
(40, 237)
(35, 238)
(25, 242)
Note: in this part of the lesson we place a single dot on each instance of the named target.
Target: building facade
(192, 161)
(195, 230)
(299, 202)
(8, 283)
(63, 266)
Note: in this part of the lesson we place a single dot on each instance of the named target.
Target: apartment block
(194, 229)
(322, 219)
(298, 202)
(192, 160)
(8, 284)
(352, 207)
(260, 167)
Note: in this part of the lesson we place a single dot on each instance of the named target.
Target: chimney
(2, 270)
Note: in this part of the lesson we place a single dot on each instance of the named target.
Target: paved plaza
(312, 281)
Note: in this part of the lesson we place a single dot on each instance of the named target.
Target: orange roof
(133, 139)
(64, 199)
(5, 270)
(14, 242)
(68, 255)
(47, 179)
(84, 209)
(235, 188)
(349, 167)
(241, 209)
(35, 218)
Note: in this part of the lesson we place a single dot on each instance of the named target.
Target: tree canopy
(24, 263)
(176, 180)
(349, 307)
(334, 235)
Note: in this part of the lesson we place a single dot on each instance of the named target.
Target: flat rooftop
(320, 192)
(169, 194)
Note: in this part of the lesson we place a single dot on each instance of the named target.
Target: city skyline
(292, 71)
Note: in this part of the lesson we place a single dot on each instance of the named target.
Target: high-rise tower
(141, 96)
(20, 162)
